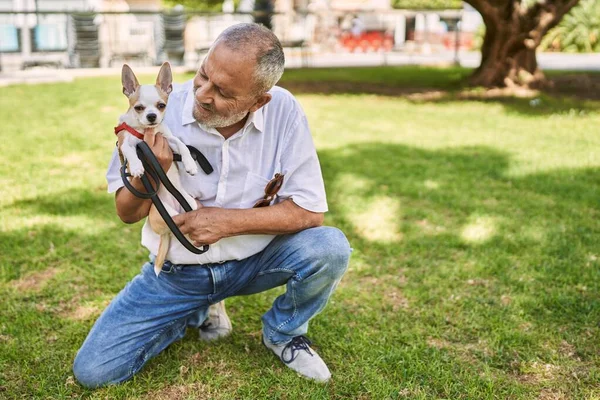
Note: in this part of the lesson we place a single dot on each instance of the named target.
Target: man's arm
(210, 224)
(132, 209)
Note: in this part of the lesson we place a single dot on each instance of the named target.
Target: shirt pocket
(254, 190)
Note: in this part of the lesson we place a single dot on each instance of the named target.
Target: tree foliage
(578, 32)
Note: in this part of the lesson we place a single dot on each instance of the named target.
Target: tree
(514, 29)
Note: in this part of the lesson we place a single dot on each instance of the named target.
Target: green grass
(413, 77)
(476, 264)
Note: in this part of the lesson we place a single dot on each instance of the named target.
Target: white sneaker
(217, 325)
(298, 355)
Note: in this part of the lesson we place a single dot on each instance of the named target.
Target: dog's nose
(151, 117)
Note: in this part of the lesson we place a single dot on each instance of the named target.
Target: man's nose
(204, 93)
(151, 117)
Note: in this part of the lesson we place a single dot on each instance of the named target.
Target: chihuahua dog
(147, 105)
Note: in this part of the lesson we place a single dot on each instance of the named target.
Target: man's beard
(215, 120)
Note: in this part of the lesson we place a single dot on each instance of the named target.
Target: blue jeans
(152, 312)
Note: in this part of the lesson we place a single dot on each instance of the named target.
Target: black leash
(153, 169)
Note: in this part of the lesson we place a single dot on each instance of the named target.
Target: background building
(63, 33)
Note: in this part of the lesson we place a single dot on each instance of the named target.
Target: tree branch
(483, 7)
(544, 16)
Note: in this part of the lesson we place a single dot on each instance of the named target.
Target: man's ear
(165, 78)
(129, 81)
(261, 101)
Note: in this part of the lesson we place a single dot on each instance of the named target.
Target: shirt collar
(257, 119)
(187, 117)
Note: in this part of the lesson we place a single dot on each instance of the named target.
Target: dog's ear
(164, 79)
(129, 81)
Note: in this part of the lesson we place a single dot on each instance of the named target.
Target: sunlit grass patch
(378, 221)
(431, 184)
(350, 184)
(34, 281)
(479, 230)
(535, 233)
(79, 223)
(86, 310)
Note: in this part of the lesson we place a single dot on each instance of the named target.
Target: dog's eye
(139, 108)
(161, 106)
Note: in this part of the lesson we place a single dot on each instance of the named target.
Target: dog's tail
(163, 248)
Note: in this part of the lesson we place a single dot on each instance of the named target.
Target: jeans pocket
(192, 280)
(266, 281)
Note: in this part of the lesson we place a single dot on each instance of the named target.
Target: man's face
(223, 88)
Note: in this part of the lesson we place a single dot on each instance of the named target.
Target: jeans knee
(331, 246)
(90, 375)
(85, 374)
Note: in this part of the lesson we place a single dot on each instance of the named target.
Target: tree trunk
(504, 62)
(513, 32)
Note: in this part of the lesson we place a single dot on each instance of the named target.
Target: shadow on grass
(75, 229)
(69, 202)
(411, 77)
(458, 209)
(533, 105)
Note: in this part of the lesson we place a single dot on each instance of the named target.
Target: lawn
(475, 226)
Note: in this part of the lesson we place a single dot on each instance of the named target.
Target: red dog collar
(125, 127)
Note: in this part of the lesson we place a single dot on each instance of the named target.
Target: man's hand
(205, 225)
(208, 225)
(160, 147)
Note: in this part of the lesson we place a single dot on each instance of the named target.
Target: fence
(104, 39)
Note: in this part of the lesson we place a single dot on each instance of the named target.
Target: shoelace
(298, 343)
(206, 325)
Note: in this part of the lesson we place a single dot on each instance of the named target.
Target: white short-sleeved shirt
(275, 139)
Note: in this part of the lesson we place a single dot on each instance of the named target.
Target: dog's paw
(191, 169)
(136, 170)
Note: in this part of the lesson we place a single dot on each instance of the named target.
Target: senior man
(252, 133)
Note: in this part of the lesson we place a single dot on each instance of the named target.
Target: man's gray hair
(270, 60)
